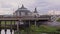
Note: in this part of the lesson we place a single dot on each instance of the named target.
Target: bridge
(18, 23)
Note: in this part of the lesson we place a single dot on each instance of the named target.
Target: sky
(43, 6)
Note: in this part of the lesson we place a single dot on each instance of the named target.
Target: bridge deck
(18, 18)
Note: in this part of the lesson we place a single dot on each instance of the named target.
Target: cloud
(42, 5)
(47, 5)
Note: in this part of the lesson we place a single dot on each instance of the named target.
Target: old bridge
(17, 23)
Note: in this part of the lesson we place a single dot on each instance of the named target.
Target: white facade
(25, 12)
(53, 12)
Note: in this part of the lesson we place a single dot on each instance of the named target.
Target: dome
(22, 11)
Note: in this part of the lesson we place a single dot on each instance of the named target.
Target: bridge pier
(29, 23)
(14, 29)
(17, 27)
(28, 32)
(5, 31)
(5, 28)
(0, 27)
(0, 31)
(11, 31)
(11, 27)
(35, 23)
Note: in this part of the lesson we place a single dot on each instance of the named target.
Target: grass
(41, 29)
(44, 28)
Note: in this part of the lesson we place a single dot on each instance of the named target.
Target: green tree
(43, 28)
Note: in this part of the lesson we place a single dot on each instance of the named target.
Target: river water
(8, 31)
(49, 23)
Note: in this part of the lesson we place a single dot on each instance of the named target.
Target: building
(25, 12)
(53, 12)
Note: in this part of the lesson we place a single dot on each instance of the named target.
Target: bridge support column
(14, 28)
(11, 31)
(29, 26)
(5, 28)
(14, 31)
(17, 27)
(5, 31)
(0, 31)
(35, 23)
(0, 27)
(11, 27)
(28, 31)
(29, 23)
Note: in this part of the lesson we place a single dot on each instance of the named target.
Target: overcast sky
(9, 6)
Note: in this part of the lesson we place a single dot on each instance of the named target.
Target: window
(22, 13)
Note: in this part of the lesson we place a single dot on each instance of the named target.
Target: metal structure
(54, 18)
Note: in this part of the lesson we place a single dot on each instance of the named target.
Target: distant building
(35, 13)
(53, 12)
(25, 12)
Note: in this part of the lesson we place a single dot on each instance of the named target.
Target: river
(49, 23)
(8, 32)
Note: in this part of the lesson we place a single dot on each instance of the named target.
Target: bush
(43, 28)
(58, 20)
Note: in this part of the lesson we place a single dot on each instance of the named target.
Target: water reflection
(8, 31)
(2, 32)
(48, 23)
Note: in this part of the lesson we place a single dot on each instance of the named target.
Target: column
(35, 23)
(14, 27)
(5, 31)
(29, 27)
(29, 23)
(28, 30)
(11, 27)
(5, 28)
(0, 27)
(17, 27)
(0, 31)
(14, 31)
(11, 31)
